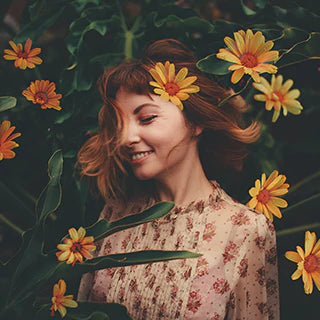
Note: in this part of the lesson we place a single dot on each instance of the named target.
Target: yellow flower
(277, 95)
(60, 301)
(23, 59)
(6, 140)
(77, 247)
(264, 195)
(248, 52)
(308, 262)
(42, 92)
(171, 86)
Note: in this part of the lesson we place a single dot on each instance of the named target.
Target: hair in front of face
(222, 143)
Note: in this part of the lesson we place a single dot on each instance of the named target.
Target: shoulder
(237, 218)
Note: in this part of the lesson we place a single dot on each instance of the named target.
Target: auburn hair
(222, 144)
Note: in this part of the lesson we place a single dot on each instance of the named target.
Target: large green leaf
(104, 228)
(7, 103)
(88, 311)
(213, 65)
(34, 29)
(50, 198)
(119, 260)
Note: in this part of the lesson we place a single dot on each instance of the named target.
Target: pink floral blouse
(235, 278)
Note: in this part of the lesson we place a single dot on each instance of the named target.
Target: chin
(145, 174)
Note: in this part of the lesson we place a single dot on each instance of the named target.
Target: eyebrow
(136, 110)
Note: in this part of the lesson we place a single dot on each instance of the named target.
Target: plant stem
(10, 224)
(304, 181)
(302, 202)
(294, 230)
(123, 21)
(128, 44)
(38, 74)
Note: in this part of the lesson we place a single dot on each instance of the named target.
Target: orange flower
(42, 92)
(308, 262)
(249, 52)
(60, 301)
(6, 141)
(264, 194)
(23, 59)
(77, 247)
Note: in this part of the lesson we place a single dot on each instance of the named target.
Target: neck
(187, 184)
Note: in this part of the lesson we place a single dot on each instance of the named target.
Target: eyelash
(147, 120)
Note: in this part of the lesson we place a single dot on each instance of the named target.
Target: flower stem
(290, 231)
(10, 224)
(302, 202)
(304, 181)
(123, 21)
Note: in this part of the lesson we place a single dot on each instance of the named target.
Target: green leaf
(120, 260)
(50, 198)
(247, 10)
(34, 29)
(89, 311)
(104, 228)
(213, 65)
(7, 103)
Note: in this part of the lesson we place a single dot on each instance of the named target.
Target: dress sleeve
(255, 294)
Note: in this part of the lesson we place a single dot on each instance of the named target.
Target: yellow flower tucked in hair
(26, 58)
(277, 95)
(60, 301)
(6, 140)
(171, 86)
(264, 195)
(42, 92)
(77, 247)
(249, 52)
(308, 262)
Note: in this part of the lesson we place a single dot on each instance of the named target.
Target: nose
(133, 135)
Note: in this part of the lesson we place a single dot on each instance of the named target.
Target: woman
(153, 147)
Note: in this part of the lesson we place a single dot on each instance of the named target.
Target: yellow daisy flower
(277, 96)
(264, 195)
(76, 247)
(308, 261)
(6, 140)
(249, 52)
(171, 86)
(42, 92)
(23, 59)
(60, 301)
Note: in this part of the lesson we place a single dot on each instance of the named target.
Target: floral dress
(235, 278)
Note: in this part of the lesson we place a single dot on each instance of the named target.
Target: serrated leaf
(7, 103)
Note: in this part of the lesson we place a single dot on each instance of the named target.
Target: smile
(139, 156)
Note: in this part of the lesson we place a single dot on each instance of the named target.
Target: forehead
(132, 102)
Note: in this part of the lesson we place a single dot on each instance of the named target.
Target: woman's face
(158, 140)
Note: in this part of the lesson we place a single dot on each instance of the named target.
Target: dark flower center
(41, 98)
(76, 247)
(249, 60)
(172, 88)
(311, 263)
(263, 196)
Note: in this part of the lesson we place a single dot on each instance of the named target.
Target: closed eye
(147, 120)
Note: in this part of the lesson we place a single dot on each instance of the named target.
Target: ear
(198, 130)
